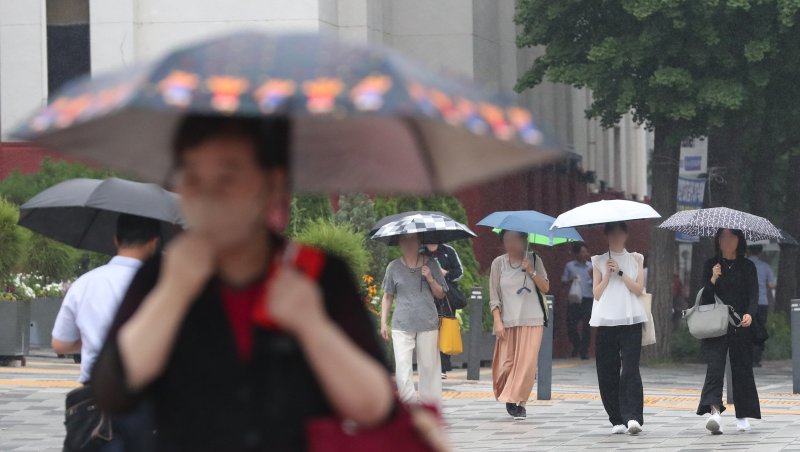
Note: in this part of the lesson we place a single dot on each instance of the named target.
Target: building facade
(43, 43)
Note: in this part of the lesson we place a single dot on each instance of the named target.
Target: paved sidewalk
(31, 412)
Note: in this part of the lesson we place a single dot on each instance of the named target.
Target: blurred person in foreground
(239, 336)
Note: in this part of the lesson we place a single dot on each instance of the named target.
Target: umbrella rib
(88, 228)
(427, 158)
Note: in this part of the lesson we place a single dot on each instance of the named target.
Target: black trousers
(447, 366)
(739, 346)
(577, 313)
(761, 318)
(618, 350)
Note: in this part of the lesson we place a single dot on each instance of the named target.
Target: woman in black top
(731, 277)
(238, 338)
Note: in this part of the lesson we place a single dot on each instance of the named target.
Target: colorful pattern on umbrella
(433, 228)
(706, 222)
(300, 74)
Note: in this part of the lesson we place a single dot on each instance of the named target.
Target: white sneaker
(619, 429)
(742, 424)
(714, 424)
(634, 428)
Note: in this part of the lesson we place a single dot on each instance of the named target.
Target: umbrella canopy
(535, 224)
(83, 212)
(399, 216)
(605, 211)
(787, 240)
(432, 228)
(706, 222)
(364, 118)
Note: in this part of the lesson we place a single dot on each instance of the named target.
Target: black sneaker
(521, 414)
(512, 409)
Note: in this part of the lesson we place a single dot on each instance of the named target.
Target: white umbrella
(605, 211)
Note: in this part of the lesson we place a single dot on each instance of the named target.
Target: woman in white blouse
(618, 316)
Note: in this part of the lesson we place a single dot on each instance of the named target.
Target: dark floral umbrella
(706, 222)
(365, 118)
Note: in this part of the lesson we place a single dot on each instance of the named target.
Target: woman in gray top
(412, 282)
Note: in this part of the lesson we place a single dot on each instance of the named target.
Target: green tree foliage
(308, 208)
(358, 210)
(12, 240)
(341, 240)
(19, 188)
(683, 67)
(50, 259)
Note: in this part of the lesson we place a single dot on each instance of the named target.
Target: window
(68, 50)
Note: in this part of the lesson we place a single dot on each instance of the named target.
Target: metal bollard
(544, 375)
(729, 379)
(795, 319)
(475, 332)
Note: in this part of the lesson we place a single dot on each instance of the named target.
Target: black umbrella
(83, 212)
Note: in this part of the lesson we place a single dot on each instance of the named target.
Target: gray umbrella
(83, 212)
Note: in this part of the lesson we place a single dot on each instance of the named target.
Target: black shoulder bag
(88, 428)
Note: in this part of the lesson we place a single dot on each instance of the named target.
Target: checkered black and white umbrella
(432, 228)
(706, 222)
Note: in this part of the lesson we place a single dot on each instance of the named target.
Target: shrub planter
(43, 317)
(15, 320)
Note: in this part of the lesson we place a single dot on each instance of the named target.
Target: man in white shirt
(766, 283)
(579, 271)
(91, 302)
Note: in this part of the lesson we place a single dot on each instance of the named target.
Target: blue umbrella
(535, 224)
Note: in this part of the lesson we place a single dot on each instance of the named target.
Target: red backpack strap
(307, 260)
(310, 261)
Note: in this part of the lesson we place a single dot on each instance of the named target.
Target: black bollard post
(544, 374)
(795, 318)
(729, 379)
(475, 332)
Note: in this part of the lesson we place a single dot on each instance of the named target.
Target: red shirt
(239, 305)
(246, 308)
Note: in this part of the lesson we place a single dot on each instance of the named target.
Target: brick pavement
(31, 410)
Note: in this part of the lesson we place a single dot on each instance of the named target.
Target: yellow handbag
(450, 335)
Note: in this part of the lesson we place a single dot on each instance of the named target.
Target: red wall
(24, 157)
(550, 190)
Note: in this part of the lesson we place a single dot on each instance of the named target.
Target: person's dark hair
(133, 230)
(577, 247)
(271, 136)
(741, 247)
(755, 250)
(617, 225)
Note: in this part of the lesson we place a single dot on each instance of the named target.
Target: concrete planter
(485, 350)
(15, 319)
(43, 316)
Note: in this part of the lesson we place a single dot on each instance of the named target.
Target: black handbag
(456, 296)
(88, 428)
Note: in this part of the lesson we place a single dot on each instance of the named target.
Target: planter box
(485, 347)
(43, 317)
(15, 320)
